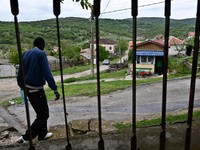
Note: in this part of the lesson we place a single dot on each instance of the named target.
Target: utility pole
(120, 50)
(92, 43)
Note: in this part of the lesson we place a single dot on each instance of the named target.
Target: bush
(69, 80)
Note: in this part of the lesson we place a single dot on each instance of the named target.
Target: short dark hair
(38, 42)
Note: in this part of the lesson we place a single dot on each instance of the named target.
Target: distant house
(130, 45)
(148, 53)
(176, 43)
(192, 34)
(86, 55)
(159, 37)
(7, 69)
(53, 62)
(55, 48)
(108, 44)
(140, 38)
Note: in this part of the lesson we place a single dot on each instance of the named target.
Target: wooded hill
(77, 30)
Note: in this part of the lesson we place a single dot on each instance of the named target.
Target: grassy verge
(71, 70)
(103, 75)
(169, 120)
(90, 89)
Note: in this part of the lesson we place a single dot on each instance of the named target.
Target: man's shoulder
(36, 51)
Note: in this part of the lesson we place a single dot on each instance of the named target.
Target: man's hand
(57, 95)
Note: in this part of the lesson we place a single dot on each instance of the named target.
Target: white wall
(109, 48)
(7, 71)
(172, 51)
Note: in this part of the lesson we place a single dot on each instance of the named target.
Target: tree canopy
(103, 53)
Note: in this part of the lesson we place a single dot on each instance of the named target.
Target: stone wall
(188, 64)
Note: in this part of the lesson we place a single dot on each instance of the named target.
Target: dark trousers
(159, 70)
(38, 101)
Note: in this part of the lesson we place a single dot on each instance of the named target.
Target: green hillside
(77, 30)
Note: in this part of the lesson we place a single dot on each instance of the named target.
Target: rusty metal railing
(14, 9)
(56, 10)
(165, 62)
(134, 14)
(96, 14)
(193, 80)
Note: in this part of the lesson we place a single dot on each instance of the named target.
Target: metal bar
(15, 11)
(134, 14)
(96, 14)
(193, 79)
(56, 4)
(165, 64)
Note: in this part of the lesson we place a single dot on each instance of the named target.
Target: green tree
(86, 45)
(130, 53)
(103, 53)
(13, 56)
(84, 3)
(179, 48)
(71, 53)
(123, 46)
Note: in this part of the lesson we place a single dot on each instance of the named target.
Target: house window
(143, 59)
(150, 59)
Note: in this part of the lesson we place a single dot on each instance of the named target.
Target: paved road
(117, 105)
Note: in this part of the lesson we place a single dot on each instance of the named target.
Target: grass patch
(103, 75)
(71, 70)
(158, 121)
(90, 89)
(6, 104)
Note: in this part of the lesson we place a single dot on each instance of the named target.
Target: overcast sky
(32, 10)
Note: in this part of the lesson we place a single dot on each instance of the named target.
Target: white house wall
(7, 71)
(109, 48)
(172, 51)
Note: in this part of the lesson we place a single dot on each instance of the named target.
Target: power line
(130, 8)
(106, 6)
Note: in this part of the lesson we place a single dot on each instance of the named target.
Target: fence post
(56, 9)
(134, 14)
(96, 14)
(193, 80)
(15, 11)
(165, 62)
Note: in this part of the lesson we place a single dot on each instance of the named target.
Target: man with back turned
(37, 72)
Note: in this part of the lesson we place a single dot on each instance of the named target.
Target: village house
(176, 43)
(108, 44)
(148, 53)
(86, 55)
(7, 69)
(192, 34)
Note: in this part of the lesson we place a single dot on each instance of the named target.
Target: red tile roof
(155, 41)
(131, 44)
(191, 33)
(175, 40)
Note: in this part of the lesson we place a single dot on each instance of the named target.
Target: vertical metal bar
(96, 14)
(56, 8)
(165, 64)
(15, 11)
(134, 14)
(193, 80)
